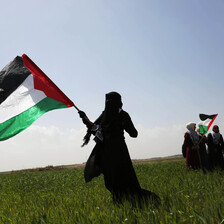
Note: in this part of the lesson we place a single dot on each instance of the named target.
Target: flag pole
(76, 107)
(198, 152)
(201, 139)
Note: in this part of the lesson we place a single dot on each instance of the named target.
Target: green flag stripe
(203, 129)
(22, 121)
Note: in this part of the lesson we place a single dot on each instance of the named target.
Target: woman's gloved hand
(85, 119)
(82, 114)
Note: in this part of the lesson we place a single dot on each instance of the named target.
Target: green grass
(62, 196)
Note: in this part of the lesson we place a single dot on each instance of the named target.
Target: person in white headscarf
(191, 140)
(215, 148)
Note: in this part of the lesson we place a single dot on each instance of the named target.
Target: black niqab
(112, 106)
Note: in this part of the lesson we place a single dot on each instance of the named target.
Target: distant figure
(215, 148)
(202, 150)
(191, 140)
(110, 155)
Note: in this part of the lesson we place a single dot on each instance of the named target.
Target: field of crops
(62, 196)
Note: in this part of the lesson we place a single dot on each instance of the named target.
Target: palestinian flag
(206, 122)
(26, 93)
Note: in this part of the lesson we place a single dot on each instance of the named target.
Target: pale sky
(164, 57)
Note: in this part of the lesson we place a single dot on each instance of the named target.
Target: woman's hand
(82, 114)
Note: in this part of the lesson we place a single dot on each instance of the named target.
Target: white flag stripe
(23, 98)
(205, 122)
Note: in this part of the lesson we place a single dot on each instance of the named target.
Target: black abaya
(111, 157)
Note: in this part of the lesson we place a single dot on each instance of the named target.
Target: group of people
(111, 158)
(201, 151)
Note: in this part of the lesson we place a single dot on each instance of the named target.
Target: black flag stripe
(203, 117)
(12, 76)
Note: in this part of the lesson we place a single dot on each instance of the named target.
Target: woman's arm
(128, 125)
(85, 119)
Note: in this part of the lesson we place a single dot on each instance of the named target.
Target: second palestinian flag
(206, 122)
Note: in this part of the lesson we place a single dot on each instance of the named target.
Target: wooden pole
(199, 156)
(76, 107)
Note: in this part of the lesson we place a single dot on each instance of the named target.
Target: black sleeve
(85, 119)
(128, 125)
(221, 142)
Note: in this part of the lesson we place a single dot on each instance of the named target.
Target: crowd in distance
(203, 151)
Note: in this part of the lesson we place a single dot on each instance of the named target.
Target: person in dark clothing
(215, 148)
(202, 150)
(110, 155)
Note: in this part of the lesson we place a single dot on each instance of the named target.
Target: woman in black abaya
(215, 148)
(110, 155)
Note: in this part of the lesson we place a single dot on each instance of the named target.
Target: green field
(62, 196)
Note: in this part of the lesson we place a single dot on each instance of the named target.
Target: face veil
(112, 105)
